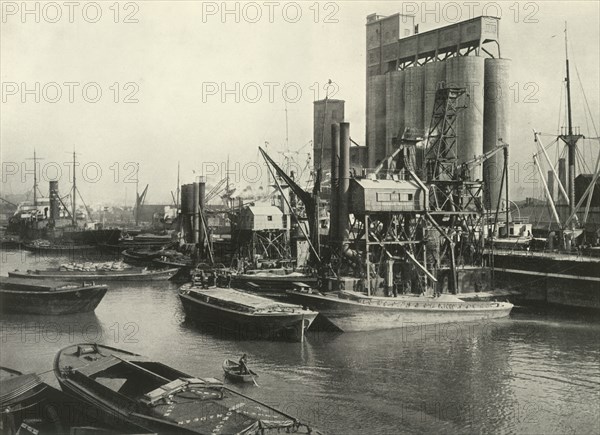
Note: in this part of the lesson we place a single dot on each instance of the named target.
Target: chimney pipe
(344, 181)
(551, 184)
(562, 172)
(201, 209)
(335, 171)
(54, 204)
(196, 213)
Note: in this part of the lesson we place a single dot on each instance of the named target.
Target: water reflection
(536, 372)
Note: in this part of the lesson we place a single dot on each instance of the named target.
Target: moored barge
(244, 314)
(26, 296)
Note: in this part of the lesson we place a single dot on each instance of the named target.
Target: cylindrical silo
(434, 78)
(376, 119)
(468, 72)
(413, 99)
(496, 123)
(394, 111)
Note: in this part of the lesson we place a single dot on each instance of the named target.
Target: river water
(535, 372)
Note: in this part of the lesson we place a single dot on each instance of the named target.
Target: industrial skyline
(186, 110)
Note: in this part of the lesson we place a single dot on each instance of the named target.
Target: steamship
(564, 268)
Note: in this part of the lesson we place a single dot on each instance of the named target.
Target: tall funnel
(201, 210)
(196, 215)
(551, 184)
(54, 203)
(335, 171)
(344, 181)
(562, 171)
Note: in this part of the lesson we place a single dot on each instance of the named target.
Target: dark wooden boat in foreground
(127, 274)
(26, 296)
(233, 371)
(145, 395)
(246, 315)
(30, 406)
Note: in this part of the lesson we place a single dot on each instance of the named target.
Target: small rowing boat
(233, 371)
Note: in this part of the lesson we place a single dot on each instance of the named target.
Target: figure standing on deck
(243, 367)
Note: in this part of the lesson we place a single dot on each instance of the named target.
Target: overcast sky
(179, 59)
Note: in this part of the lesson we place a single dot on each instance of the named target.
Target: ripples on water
(536, 372)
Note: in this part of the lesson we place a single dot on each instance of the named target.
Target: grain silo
(435, 78)
(496, 123)
(413, 99)
(394, 108)
(468, 72)
(376, 119)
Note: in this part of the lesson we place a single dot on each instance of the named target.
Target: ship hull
(352, 316)
(246, 326)
(564, 280)
(275, 283)
(96, 277)
(81, 300)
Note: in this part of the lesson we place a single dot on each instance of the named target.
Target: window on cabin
(410, 196)
(384, 197)
(269, 218)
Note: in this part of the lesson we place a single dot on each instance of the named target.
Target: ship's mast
(177, 198)
(74, 214)
(35, 185)
(570, 138)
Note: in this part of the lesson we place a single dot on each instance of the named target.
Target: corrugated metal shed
(261, 217)
(367, 196)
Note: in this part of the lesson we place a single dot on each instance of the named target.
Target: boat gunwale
(282, 314)
(498, 307)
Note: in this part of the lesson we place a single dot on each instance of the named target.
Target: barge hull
(350, 316)
(51, 303)
(246, 327)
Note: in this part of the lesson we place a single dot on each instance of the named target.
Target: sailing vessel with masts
(54, 222)
(563, 270)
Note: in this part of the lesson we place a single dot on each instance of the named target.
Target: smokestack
(201, 209)
(344, 181)
(54, 203)
(196, 211)
(562, 172)
(335, 171)
(551, 184)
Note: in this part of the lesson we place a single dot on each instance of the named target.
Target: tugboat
(147, 396)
